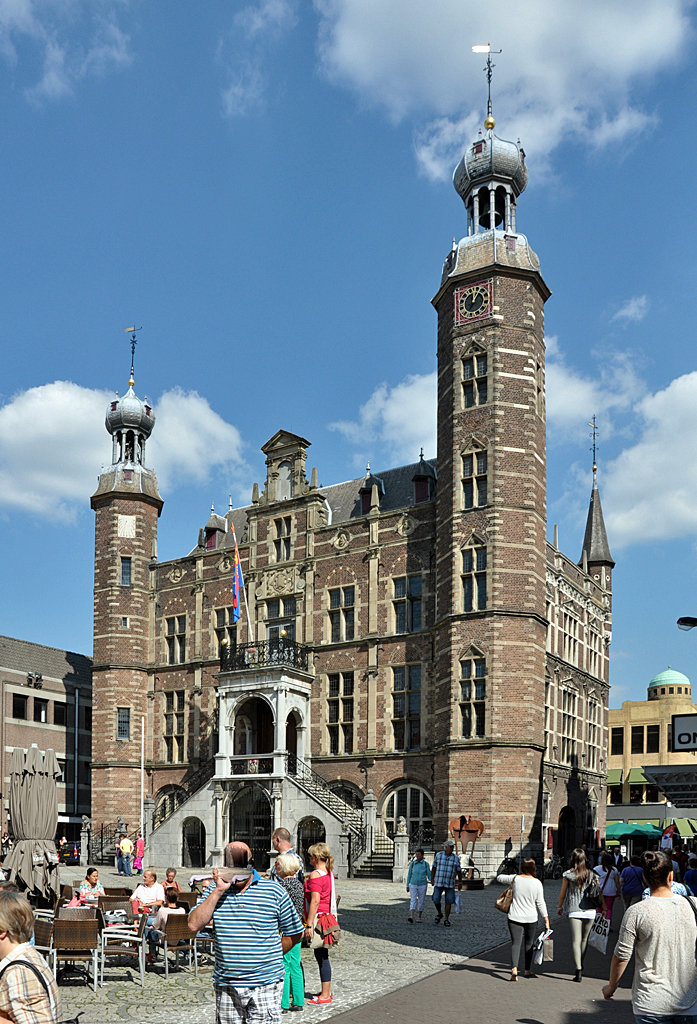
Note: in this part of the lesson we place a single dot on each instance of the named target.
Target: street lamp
(687, 622)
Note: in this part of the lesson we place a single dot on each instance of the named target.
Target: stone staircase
(316, 787)
(379, 863)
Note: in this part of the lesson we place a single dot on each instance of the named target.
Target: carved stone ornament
(175, 574)
(401, 826)
(280, 582)
(406, 525)
(225, 564)
(341, 540)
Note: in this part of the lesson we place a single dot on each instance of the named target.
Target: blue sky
(265, 187)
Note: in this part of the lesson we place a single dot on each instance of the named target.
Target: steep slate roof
(595, 544)
(23, 656)
(344, 499)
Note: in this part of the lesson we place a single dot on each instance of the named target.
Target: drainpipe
(77, 719)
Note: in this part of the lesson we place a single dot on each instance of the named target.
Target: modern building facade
(47, 700)
(641, 736)
(415, 648)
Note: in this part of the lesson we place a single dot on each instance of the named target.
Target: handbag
(599, 933)
(504, 900)
(592, 893)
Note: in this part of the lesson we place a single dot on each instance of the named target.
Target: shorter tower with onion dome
(127, 505)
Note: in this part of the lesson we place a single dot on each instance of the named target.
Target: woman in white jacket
(527, 906)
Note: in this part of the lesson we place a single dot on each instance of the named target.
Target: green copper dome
(669, 677)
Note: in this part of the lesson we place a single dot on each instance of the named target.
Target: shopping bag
(458, 901)
(599, 933)
(537, 955)
(543, 946)
(548, 949)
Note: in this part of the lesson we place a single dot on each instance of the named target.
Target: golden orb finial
(489, 123)
(131, 382)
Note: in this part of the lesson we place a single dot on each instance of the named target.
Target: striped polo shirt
(248, 929)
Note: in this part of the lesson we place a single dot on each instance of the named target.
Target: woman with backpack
(580, 898)
(527, 905)
(609, 882)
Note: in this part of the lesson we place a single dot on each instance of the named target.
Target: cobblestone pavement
(380, 953)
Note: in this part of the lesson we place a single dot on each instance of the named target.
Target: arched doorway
(310, 831)
(254, 728)
(566, 836)
(193, 843)
(250, 823)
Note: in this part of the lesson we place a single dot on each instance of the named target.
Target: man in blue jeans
(446, 871)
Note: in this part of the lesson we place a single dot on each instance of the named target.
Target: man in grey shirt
(661, 933)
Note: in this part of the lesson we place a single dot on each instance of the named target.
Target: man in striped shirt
(255, 924)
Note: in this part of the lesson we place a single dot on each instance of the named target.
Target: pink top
(140, 847)
(323, 885)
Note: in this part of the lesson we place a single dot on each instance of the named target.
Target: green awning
(684, 828)
(693, 823)
(614, 777)
(636, 776)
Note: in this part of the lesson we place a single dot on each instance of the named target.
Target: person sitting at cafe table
(156, 934)
(91, 889)
(171, 880)
(150, 893)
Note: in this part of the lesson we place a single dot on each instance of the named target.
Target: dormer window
(211, 539)
(478, 148)
(365, 503)
(421, 491)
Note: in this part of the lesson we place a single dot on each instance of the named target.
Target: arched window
(348, 793)
(168, 800)
(193, 843)
(414, 804)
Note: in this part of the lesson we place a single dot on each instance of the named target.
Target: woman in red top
(320, 899)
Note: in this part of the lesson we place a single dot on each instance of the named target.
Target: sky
(265, 188)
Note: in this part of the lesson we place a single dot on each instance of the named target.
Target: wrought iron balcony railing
(264, 653)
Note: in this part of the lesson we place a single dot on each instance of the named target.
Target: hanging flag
(237, 585)
(667, 837)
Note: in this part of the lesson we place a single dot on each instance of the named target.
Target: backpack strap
(34, 969)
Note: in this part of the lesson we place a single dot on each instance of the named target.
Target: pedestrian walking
(320, 901)
(418, 878)
(446, 871)
(527, 906)
(280, 840)
(632, 882)
(609, 882)
(288, 868)
(124, 849)
(579, 898)
(690, 878)
(139, 854)
(660, 931)
(255, 924)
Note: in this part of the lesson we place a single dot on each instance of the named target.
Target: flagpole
(252, 637)
(142, 776)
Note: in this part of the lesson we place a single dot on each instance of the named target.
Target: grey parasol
(32, 863)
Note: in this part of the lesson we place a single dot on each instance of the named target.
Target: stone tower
(491, 535)
(127, 504)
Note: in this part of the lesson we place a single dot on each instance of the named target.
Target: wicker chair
(126, 941)
(188, 899)
(116, 903)
(74, 942)
(76, 914)
(43, 936)
(179, 939)
(120, 891)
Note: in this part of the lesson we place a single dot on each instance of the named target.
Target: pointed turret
(596, 550)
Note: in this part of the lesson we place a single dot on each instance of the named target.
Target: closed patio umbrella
(33, 863)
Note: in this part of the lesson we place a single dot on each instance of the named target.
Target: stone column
(85, 841)
(218, 797)
(341, 862)
(370, 811)
(401, 857)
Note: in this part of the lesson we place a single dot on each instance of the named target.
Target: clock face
(472, 302)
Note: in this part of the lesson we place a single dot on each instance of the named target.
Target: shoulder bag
(504, 900)
(694, 911)
(592, 894)
(42, 981)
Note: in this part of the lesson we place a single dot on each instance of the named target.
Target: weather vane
(488, 70)
(134, 341)
(594, 435)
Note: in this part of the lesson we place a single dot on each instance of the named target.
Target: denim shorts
(438, 891)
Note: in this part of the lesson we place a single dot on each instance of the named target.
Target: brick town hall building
(419, 650)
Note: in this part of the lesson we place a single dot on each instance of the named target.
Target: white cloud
(572, 398)
(567, 69)
(634, 310)
(395, 422)
(650, 489)
(72, 41)
(259, 25)
(53, 443)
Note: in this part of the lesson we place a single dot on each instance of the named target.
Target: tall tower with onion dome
(491, 533)
(127, 504)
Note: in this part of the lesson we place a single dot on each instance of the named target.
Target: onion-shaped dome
(490, 158)
(130, 413)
